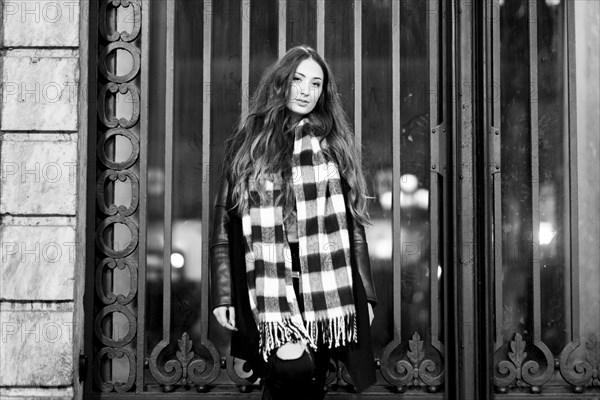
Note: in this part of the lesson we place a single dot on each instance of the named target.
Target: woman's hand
(225, 315)
(371, 313)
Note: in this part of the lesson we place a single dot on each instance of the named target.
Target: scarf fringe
(274, 334)
(334, 332)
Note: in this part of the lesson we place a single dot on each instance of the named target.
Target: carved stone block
(37, 262)
(39, 174)
(37, 347)
(40, 90)
(41, 23)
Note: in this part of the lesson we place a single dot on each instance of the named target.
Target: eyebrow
(316, 77)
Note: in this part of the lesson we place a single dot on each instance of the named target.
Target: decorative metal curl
(519, 372)
(121, 176)
(577, 372)
(137, 20)
(174, 370)
(510, 372)
(203, 370)
(111, 263)
(243, 383)
(185, 370)
(532, 372)
(426, 373)
(113, 88)
(117, 219)
(114, 46)
(135, 148)
(390, 370)
(108, 341)
(416, 370)
(112, 353)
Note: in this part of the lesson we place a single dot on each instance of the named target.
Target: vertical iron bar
(494, 91)
(143, 137)
(464, 142)
(462, 321)
(206, 78)
(541, 378)
(282, 22)
(434, 250)
(573, 230)
(321, 27)
(535, 178)
(358, 73)
(396, 171)
(168, 209)
(489, 295)
(561, 34)
(433, 54)
(566, 211)
(245, 16)
(448, 298)
(495, 62)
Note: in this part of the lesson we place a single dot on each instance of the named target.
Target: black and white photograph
(300, 199)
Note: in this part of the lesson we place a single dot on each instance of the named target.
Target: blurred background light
(547, 233)
(177, 260)
(408, 183)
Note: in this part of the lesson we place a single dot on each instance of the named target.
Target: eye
(296, 79)
(317, 84)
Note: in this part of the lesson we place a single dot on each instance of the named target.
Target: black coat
(229, 288)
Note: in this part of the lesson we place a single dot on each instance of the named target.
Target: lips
(302, 102)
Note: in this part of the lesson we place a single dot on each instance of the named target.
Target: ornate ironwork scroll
(244, 381)
(578, 370)
(519, 371)
(188, 367)
(110, 255)
(413, 368)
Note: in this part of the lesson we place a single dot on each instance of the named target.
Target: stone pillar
(40, 126)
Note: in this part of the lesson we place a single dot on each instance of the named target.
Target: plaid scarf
(329, 315)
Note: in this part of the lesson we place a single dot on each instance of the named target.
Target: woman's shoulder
(225, 196)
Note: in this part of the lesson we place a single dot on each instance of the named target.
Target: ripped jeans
(302, 378)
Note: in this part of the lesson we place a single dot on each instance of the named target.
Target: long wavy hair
(263, 142)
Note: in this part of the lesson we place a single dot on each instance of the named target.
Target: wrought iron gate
(455, 106)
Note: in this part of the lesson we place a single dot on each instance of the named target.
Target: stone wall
(40, 127)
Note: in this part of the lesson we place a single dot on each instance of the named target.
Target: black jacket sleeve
(221, 287)
(360, 250)
(363, 261)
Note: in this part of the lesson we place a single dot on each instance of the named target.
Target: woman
(291, 275)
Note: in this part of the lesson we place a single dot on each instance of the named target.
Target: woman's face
(307, 85)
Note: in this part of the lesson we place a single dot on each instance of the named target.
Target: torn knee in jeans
(291, 351)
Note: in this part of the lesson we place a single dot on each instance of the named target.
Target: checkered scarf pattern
(329, 315)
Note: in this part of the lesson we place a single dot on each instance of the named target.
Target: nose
(301, 90)
(305, 89)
